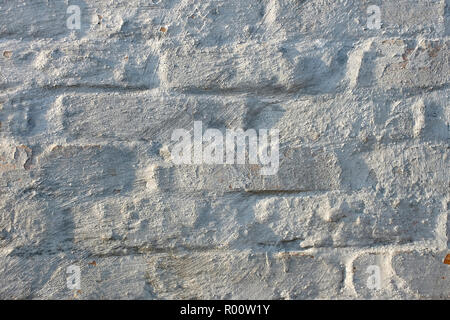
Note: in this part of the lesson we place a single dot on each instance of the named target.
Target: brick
(406, 168)
(100, 278)
(424, 273)
(397, 63)
(94, 117)
(248, 67)
(329, 220)
(300, 170)
(253, 276)
(83, 171)
(87, 64)
(123, 278)
(48, 20)
(24, 278)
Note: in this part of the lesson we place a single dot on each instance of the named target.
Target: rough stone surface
(87, 178)
(434, 281)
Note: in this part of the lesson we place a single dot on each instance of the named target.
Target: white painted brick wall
(86, 179)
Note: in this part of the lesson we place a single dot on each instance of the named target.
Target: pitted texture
(86, 179)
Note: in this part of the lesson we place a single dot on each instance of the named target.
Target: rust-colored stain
(163, 29)
(403, 64)
(93, 263)
(76, 293)
(447, 259)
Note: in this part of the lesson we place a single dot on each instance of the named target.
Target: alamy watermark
(73, 22)
(211, 147)
(374, 279)
(73, 277)
(374, 17)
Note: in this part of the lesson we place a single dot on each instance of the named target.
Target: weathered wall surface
(86, 179)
